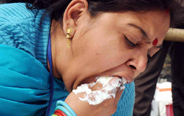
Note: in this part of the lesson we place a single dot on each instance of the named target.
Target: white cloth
(162, 97)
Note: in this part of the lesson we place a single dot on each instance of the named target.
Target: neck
(58, 48)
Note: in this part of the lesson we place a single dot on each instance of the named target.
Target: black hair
(57, 7)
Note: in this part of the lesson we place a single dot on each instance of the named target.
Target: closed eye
(129, 43)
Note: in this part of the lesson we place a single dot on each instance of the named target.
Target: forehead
(154, 24)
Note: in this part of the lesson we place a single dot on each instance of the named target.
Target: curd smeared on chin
(107, 91)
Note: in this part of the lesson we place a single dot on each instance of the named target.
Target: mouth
(125, 80)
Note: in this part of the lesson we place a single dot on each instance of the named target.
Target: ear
(73, 12)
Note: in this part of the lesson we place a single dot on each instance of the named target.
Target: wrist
(63, 109)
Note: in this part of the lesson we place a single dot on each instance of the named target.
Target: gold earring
(68, 36)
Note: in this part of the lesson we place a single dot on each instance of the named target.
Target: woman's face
(114, 44)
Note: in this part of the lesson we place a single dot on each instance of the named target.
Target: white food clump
(107, 91)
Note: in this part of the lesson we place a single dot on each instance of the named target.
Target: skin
(103, 46)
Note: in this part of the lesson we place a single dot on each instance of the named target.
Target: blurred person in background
(145, 83)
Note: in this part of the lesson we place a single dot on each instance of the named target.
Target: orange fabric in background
(165, 89)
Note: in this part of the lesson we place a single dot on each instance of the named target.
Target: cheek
(99, 50)
(104, 55)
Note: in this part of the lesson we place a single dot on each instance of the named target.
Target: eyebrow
(144, 34)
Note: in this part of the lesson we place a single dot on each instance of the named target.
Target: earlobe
(73, 12)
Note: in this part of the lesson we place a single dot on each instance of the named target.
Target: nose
(138, 63)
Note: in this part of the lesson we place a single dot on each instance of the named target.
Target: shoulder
(13, 12)
(17, 13)
(16, 25)
(19, 26)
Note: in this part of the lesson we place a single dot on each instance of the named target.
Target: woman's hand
(103, 99)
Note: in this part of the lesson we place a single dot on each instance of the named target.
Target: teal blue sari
(24, 84)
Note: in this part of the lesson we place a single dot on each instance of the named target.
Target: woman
(76, 41)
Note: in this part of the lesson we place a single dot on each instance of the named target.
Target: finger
(118, 95)
(96, 86)
(119, 90)
(114, 85)
(97, 92)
